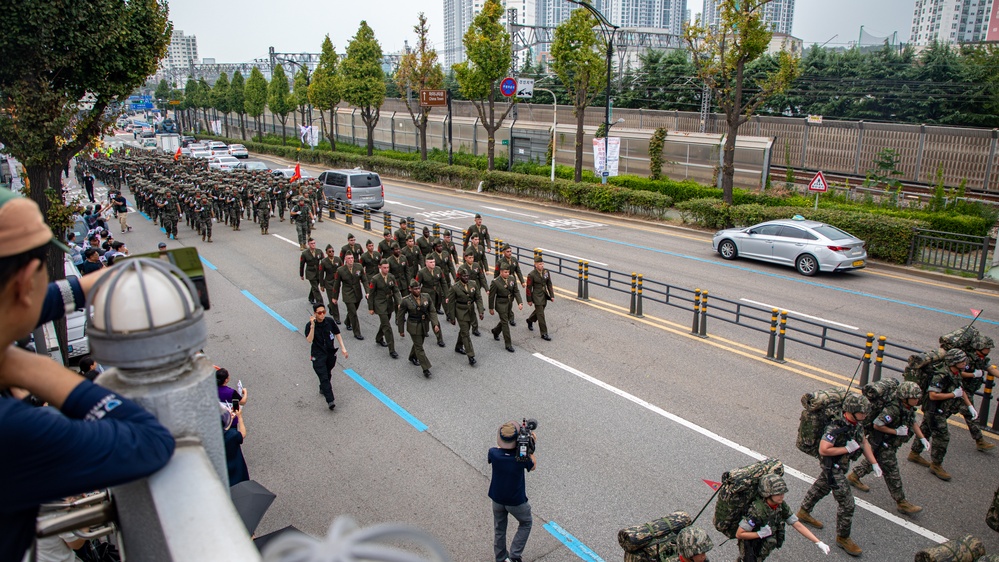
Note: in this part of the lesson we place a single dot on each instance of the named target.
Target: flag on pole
(176, 156)
(298, 173)
(976, 313)
(713, 485)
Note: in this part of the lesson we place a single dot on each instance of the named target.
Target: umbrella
(251, 501)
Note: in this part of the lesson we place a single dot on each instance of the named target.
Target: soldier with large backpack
(891, 429)
(842, 441)
(942, 398)
(977, 346)
(762, 528)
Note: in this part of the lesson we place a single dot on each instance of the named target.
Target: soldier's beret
(369, 242)
(478, 216)
(383, 262)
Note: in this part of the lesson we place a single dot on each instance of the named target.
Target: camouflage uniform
(263, 205)
(936, 413)
(170, 213)
(301, 216)
(205, 224)
(690, 542)
(759, 516)
(992, 517)
(838, 432)
(972, 385)
(885, 446)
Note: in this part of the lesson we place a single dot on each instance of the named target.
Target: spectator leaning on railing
(100, 439)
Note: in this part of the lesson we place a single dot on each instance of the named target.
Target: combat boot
(209, 239)
(807, 519)
(983, 445)
(939, 472)
(905, 507)
(856, 483)
(847, 544)
(918, 459)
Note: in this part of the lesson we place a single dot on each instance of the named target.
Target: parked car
(239, 151)
(288, 172)
(808, 246)
(223, 163)
(358, 188)
(252, 165)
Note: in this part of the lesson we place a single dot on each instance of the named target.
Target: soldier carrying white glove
(958, 392)
(823, 547)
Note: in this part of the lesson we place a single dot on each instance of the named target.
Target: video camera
(525, 439)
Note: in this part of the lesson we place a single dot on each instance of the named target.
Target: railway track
(778, 175)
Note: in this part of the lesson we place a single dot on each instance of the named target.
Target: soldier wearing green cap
(417, 315)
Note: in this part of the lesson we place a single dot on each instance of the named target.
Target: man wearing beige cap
(100, 439)
(508, 490)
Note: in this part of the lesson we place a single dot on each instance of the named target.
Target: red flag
(177, 155)
(298, 173)
(713, 485)
(975, 313)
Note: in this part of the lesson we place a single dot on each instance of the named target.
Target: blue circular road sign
(508, 86)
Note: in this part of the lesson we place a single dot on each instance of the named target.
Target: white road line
(801, 314)
(926, 533)
(292, 242)
(404, 205)
(571, 256)
(510, 212)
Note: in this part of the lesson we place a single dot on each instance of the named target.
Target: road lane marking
(269, 310)
(572, 543)
(926, 533)
(292, 242)
(208, 264)
(577, 258)
(404, 205)
(498, 209)
(801, 314)
(402, 413)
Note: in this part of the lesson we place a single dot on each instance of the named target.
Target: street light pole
(608, 30)
(554, 124)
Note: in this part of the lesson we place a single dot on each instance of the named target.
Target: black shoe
(476, 333)
(440, 343)
(546, 337)
(495, 336)
(348, 327)
(358, 337)
(530, 325)
(382, 343)
(512, 323)
(460, 350)
(414, 361)
(509, 348)
(335, 321)
(393, 355)
(331, 405)
(471, 361)
(426, 373)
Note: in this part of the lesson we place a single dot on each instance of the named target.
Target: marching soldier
(424, 243)
(539, 292)
(370, 259)
(308, 270)
(327, 274)
(352, 248)
(501, 293)
(505, 259)
(479, 252)
(412, 255)
(431, 280)
(944, 398)
(349, 281)
(169, 210)
(403, 233)
(475, 274)
(205, 215)
(417, 315)
(444, 261)
(301, 215)
(384, 297)
(480, 230)
(385, 246)
(263, 205)
(462, 299)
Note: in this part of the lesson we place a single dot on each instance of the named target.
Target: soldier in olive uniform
(501, 292)
(402, 233)
(479, 252)
(350, 282)
(262, 203)
(169, 210)
(327, 275)
(424, 243)
(505, 259)
(539, 292)
(943, 399)
(301, 216)
(398, 265)
(450, 248)
(308, 270)
(479, 230)
(279, 194)
(762, 529)
(412, 255)
(417, 315)
(370, 259)
(444, 261)
(431, 280)
(476, 274)
(352, 248)
(235, 204)
(892, 429)
(462, 299)
(384, 297)
(385, 246)
(205, 216)
(842, 440)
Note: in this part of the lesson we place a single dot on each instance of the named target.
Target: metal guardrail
(948, 250)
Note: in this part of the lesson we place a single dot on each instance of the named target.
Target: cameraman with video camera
(513, 457)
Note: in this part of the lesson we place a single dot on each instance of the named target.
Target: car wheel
(806, 265)
(728, 250)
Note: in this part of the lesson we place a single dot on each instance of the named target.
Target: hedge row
(888, 238)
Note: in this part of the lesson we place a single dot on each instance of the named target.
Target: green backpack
(819, 408)
(962, 338)
(653, 541)
(738, 489)
(879, 393)
(918, 368)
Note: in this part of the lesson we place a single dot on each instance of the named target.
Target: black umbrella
(251, 501)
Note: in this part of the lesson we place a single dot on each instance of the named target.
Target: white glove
(765, 531)
(877, 470)
(979, 373)
(823, 547)
(958, 392)
(925, 442)
(974, 412)
(851, 446)
(902, 431)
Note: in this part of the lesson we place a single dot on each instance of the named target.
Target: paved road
(634, 413)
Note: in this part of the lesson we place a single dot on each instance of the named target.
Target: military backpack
(992, 517)
(653, 541)
(919, 367)
(962, 338)
(739, 488)
(818, 409)
(879, 393)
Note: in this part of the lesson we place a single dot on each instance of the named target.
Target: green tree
(324, 91)
(279, 99)
(204, 101)
(236, 100)
(362, 79)
(419, 70)
(190, 96)
(162, 93)
(580, 67)
(255, 97)
(489, 54)
(220, 99)
(721, 54)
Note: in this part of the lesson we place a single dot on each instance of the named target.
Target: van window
(338, 180)
(365, 180)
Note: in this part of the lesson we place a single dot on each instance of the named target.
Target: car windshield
(365, 180)
(255, 166)
(831, 232)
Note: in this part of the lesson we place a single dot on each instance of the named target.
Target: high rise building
(182, 53)
(660, 14)
(458, 15)
(778, 13)
(951, 21)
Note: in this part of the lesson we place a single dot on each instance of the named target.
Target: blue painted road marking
(268, 310)
(208, 264)
(572, 543)
(410, 418)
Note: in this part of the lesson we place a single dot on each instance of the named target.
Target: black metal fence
(950, 251)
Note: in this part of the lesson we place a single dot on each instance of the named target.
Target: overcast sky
(241, 31)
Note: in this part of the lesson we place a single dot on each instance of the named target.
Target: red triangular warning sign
(713, 485)
(818, 183)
